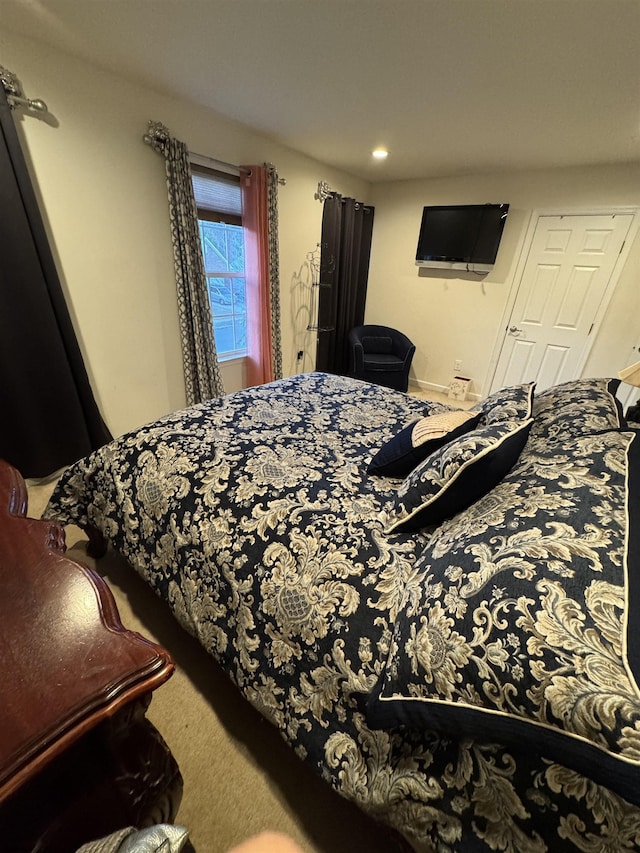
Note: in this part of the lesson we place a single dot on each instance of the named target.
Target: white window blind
(217, 192)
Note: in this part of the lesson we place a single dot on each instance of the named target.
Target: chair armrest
(409, 354)
(358, 357)
(403, 346)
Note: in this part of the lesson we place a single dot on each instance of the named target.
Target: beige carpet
(239, 775)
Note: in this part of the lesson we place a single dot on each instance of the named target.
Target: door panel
(566, 274)
(540, 294)
(552, 365)
(519, 361)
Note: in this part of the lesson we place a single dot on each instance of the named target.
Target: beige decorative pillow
(438, 426)
(413, 444)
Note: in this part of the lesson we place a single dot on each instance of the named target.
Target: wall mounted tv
(461, 236)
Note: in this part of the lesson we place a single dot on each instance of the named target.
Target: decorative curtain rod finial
(323, 192)
(15, 95)
(157, 135)
(9, 83)
(272, 168)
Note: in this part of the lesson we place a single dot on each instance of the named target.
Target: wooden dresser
(78, 758)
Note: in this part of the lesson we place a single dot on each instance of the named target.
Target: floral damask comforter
(254, 518)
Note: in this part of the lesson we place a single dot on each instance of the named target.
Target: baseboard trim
(422, 385)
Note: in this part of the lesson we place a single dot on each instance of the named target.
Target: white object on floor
(458, 388)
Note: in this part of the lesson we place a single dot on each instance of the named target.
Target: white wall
(103, 196)
(452, 316)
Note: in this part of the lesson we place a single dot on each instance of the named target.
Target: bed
(387, 599)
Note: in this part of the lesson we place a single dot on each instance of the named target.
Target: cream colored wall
(103, 196)
(104, 200)
(453, 316)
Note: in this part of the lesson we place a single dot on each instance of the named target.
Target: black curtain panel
(49, 415)
(347, 227)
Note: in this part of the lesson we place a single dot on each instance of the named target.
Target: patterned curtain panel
(260, 222)
(202, 377)
(274, 270)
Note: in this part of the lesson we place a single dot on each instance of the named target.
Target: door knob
(514, 330)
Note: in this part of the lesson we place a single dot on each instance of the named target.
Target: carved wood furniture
(78, 758)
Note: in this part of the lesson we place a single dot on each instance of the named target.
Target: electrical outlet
(457, 364)
(300, 354)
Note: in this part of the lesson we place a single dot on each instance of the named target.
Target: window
(219, 203)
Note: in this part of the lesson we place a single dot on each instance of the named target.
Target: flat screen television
(461, 236)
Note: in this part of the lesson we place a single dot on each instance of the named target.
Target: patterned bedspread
(254, 518)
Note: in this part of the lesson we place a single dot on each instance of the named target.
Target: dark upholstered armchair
(381, 355)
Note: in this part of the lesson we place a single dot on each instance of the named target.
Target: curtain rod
(159, 130)
(238, 169)
(324, 192)
(214, 161)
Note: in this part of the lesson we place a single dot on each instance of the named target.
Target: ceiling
(448, 86)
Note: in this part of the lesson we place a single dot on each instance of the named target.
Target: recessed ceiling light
(380, 153)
